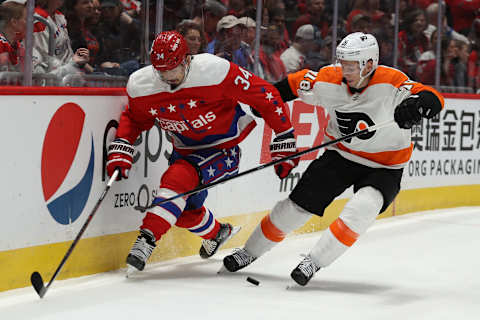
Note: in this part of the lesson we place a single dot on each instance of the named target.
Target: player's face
(174, 76)
(351, 72)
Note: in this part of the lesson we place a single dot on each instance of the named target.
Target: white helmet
(359, 47)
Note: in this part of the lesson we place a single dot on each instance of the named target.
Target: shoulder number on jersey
(239, 80)
(308, 80)
(407, 85)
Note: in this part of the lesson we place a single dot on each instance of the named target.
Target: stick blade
(37, 283)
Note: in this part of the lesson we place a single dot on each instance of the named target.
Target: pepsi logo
(66, 177)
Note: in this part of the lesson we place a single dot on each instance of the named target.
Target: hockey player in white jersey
(356, 93)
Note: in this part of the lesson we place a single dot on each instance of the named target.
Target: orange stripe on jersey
(398, 79)
(270, 231)
(343, 233)
(305, 79)
(386, 158)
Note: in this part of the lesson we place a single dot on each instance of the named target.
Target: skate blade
(235, 230)
(222, 270)
(130, 271)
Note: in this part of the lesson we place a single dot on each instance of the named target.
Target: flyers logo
(350, 122)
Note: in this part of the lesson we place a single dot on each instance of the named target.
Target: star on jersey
(269, 96)
(153, 111)
(171, 108)
(211, 171)
(279, 111)
(192, 103)
(233, 152)
(229, 162)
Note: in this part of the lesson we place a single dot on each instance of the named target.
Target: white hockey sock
(285, 217)
(358, 215)
(169, 211)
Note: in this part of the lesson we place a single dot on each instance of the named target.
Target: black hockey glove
(424, 104)
(408, 113)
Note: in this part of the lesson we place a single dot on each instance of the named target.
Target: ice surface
(417, 266)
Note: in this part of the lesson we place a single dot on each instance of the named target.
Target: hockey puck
(253, 281)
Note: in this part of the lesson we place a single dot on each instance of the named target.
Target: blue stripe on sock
(209, 222)
(169, 206)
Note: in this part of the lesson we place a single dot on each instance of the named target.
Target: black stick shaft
(82, 230)
(269, 164)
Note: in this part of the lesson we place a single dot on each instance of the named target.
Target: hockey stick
(269, 164)
(36, 278)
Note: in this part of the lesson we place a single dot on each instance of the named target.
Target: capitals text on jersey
(185, 125)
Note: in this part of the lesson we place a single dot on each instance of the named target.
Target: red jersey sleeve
(132, 123)
(246, 87)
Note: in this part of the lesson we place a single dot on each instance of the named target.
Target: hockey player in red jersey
(195, 99)
(356, 93)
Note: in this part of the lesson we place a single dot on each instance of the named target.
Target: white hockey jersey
(388, 147)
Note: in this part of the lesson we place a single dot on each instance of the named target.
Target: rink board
(43, 173)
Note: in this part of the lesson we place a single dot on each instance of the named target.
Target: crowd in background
(104, 37)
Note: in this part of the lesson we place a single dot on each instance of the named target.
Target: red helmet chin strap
(169, 49)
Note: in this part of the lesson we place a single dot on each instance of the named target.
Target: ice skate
(210, 246)
(304, 271)
(239, 259)
(142, 250)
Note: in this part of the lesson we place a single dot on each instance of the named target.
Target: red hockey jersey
(203, 111)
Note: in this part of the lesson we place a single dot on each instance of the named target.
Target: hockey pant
(359, 214)
(184, 174)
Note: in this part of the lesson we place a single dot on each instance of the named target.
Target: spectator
(194, 36)
(274, 4)
(272, 66)
(474, 35)
(462, 13)
(412, 42)
(422, 4)
(229, 43)
(306, 40)
(368, 8)
(325, 56)
(237, 8)
(316, 15)
(432, 18)
(474, 58)
(428, 61)
(13, 21)
(132, 7)
(461, 66)
(474, 71)
(385, 44)
(248, 30)
(65, 61)
(118, 36)
(208, 16)
(277, 17)
(77, 14)
(360, 23)
(174, 12)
